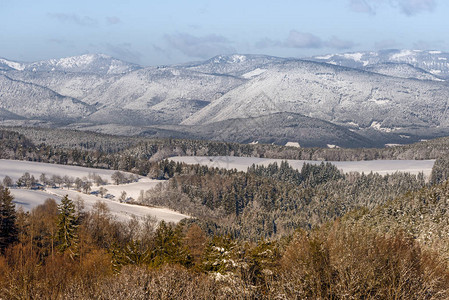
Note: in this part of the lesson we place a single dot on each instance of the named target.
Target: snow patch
(238, 58)
(380, 101)
(354, 56)
(352, 124)
(433, 71)
(254, 73)
(293, 144)
(401, 54)
(332, 146)
(376, 125)
(435, 52)
(324, 56)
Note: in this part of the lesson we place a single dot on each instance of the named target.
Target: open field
(28, 199)
(376, 166)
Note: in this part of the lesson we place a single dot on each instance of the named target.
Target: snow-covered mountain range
(347, 100)
(434, 62)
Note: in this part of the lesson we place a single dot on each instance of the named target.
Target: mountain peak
(86, 63)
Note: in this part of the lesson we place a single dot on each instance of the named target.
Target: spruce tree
(67, 227)
(8, 229)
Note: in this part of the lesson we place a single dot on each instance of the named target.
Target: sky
(158, 32)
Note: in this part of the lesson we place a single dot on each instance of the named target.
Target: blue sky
(155, 32)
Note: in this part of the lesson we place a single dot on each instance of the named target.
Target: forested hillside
(270, 232)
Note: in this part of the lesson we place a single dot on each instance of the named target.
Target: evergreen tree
(168, 247)
(67, 227)
(8, 228)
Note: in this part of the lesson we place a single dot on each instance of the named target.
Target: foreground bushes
(332, 262)
(339, 262)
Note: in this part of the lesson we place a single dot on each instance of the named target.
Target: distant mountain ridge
(87, 63)
(432, 61)
(348, 100)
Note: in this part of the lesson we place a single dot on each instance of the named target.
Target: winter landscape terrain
(382, 167)
(31, 198)
(348, 100)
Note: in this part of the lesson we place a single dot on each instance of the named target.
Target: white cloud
(412, 7)
(113, 20)
(74, 19)
(361, 6)
(407, 7)
(386, 44)
(337, 43)
(202, 47)
(123, 51)
(298, 39)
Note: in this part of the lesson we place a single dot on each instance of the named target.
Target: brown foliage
(195, 241)
(348, 263)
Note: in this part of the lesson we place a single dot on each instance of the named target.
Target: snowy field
(376, 166)
(28, 199)
(16, 168)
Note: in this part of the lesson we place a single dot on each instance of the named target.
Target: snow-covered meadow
(28, 199)
(382, 167)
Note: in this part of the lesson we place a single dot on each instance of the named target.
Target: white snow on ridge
(382, 167)
(13, 64)
(401, 54)
(324, 57)
(353, 124)
(238, 58)
(354, 56)
(253, 73)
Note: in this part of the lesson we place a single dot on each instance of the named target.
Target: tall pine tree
(8, 229)
(67, 227)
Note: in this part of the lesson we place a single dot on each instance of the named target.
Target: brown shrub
(340, 262)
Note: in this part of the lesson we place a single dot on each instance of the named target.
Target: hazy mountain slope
(33, 101)
(76, 85)
(278, 128)
(236, 64)
(340, 95)
(171, 111)
(435, 62)
(7, 115)
(402, 70)
(379, 101)
(173, 93)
